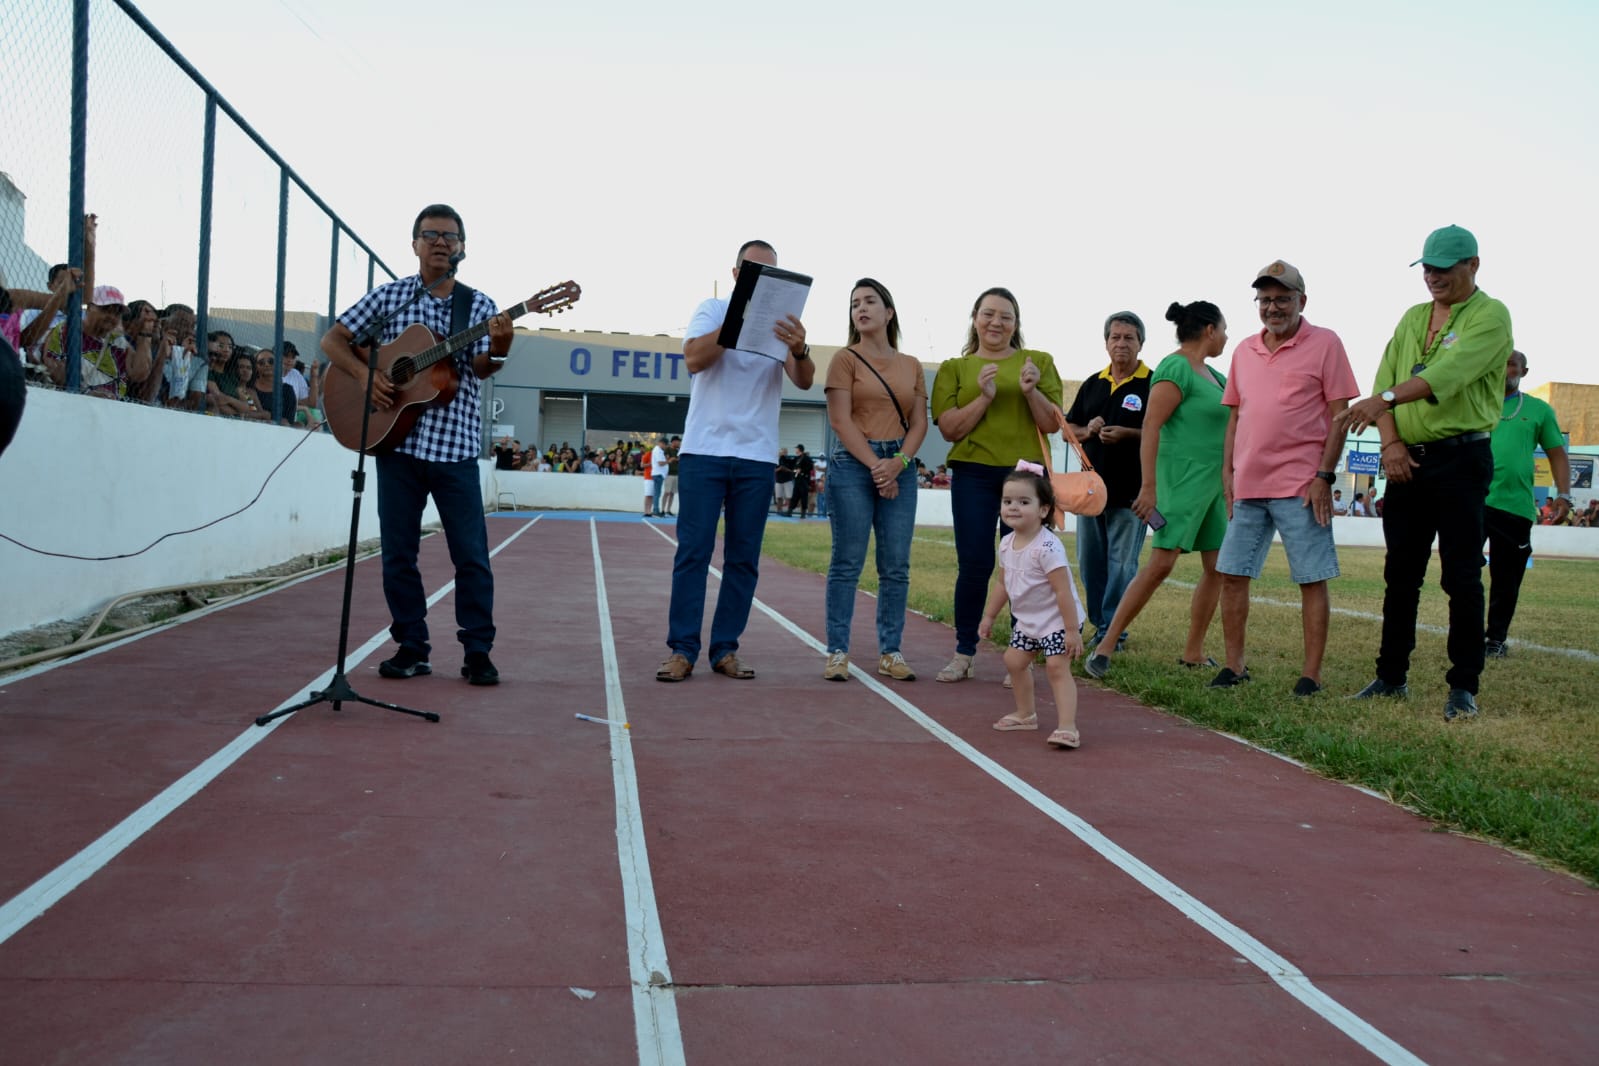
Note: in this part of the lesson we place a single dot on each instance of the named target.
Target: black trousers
(1444, 499)
(1509, 548)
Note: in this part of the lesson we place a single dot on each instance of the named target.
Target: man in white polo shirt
(726, 469)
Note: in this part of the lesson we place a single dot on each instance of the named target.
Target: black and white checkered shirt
(443, 434)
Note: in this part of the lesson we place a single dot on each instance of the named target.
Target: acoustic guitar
(422, 368)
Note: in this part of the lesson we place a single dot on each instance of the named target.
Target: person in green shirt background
(1525, 424)
(992, 401)
(1439, 392)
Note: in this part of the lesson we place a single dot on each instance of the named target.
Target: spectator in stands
(1339, 506)
(185, 370)
(220, 383)
(589, 465)
(1358, 508)
(1376, 504)
(109, 363)
(266, 365)
(505, 453)
(941, 477)
(143, 327)
(314, 418)
(294, 375)
(34, 314)
(241, 370)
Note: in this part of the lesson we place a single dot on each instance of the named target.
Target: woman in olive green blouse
(991, 401)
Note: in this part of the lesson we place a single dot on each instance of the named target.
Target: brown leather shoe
(675, 668)
(732, 666)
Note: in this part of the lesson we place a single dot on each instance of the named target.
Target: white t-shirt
(296, 381)
(658, 462)
(734, 402)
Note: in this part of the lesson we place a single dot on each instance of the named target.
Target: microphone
(455, 260)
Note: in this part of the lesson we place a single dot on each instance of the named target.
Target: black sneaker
(1460, 704)
(1379, 687)
(1495, 649)
(407, 662)
(478, 670)
(1306, 687)
(1097, 666)
(1227, 679)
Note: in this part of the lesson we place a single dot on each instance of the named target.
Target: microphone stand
(339, 690)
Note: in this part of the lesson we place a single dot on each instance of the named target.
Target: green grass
(1525, 773)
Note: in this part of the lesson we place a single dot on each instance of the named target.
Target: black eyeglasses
(431, 235)
(1284, 302)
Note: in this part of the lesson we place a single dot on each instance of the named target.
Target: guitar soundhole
(403, 370)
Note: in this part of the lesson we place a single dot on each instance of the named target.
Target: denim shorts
(1312, 556)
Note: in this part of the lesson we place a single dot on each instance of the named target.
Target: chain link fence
(123, 163)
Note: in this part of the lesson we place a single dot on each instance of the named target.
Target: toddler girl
(1037, 582)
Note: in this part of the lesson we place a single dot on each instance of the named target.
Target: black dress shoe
(1379, 687)
(478, 670)
(1460, 704)
(407, 662)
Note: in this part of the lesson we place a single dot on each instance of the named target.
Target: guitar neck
(450, 345)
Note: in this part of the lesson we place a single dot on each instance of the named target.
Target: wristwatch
(1387, 397)
(1564, 496)
(1327, 475)
(805, 353)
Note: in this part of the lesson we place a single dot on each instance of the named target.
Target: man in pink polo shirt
(1286, 384)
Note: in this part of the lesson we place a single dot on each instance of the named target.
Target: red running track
(834, 874)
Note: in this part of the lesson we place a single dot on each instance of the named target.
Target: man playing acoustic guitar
(437, 457)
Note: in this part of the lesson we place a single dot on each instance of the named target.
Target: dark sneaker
(1306, 687)
(1460, 704)
(407, 662)
(1097, 666)
(478, 670)
(1227, 679)
(1379, 687)
(1495, 649)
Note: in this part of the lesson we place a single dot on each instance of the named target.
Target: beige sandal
(959, 668)
(1064, 738)
(1013, 721)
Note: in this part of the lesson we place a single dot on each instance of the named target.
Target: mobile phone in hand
(1157, 521)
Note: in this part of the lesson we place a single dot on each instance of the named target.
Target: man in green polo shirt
(1439, 392)
(1525, 424)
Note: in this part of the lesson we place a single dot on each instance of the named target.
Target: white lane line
(660, 1039)
(1280, 970)
(50, 889)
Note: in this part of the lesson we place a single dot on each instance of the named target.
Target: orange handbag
(1081, 491)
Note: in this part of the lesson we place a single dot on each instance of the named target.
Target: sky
(1092, 158)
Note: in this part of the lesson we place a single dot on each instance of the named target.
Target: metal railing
(176, 176)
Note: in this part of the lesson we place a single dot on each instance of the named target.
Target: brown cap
(1285, 274)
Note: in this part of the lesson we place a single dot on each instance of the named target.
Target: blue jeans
(404, 484)
(974, 492)
(1108, 545)
(709, 486)
(659, 481)
(857, 512)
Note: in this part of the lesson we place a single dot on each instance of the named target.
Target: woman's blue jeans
(855, 511)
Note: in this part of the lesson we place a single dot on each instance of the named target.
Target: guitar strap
(461, 308)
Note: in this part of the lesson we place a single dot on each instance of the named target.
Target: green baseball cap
(1446, 247)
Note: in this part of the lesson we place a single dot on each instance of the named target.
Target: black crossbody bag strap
(904, 423)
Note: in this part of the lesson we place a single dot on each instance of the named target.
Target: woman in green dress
(1185, 427)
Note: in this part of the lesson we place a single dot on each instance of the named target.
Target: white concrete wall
(92, 477)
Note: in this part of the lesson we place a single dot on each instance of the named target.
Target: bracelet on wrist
(901, 457)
